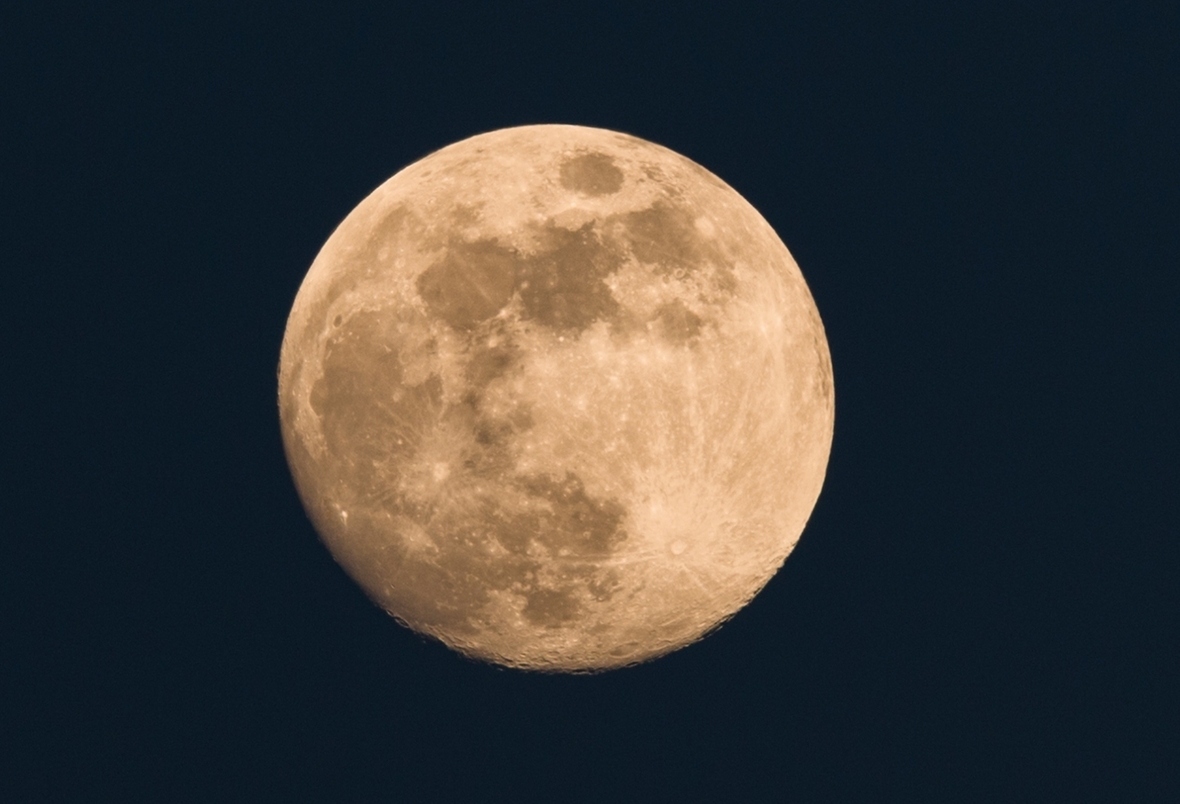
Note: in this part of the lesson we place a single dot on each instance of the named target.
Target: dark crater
(591, 174)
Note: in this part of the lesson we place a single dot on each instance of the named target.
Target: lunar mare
(558, 397)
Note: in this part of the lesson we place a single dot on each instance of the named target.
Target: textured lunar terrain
(558, 397)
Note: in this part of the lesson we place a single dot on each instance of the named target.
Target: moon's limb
(558, 397)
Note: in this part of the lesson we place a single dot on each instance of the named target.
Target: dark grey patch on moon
(396, 226)
(575, 532)
(493, 433)
(678, 324)
(591, 174)
(470, 284)
(490, 362)
(362, 391)
(578, 523)
(551, 608)
(562, 286)
(560, 527)
(664, 236)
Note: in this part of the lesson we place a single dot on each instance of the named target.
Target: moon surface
(558, 397)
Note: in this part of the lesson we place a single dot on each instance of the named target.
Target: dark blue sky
(983, 198)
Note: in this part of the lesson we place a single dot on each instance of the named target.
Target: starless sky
(982, 198)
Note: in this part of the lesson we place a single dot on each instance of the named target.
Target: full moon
(558, 397)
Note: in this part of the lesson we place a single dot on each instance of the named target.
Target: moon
(558, 397)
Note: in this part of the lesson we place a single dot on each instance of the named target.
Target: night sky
(984, 199)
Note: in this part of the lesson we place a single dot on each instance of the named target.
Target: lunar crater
(592, 174)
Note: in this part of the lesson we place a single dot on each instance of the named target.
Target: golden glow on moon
(558, 397)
